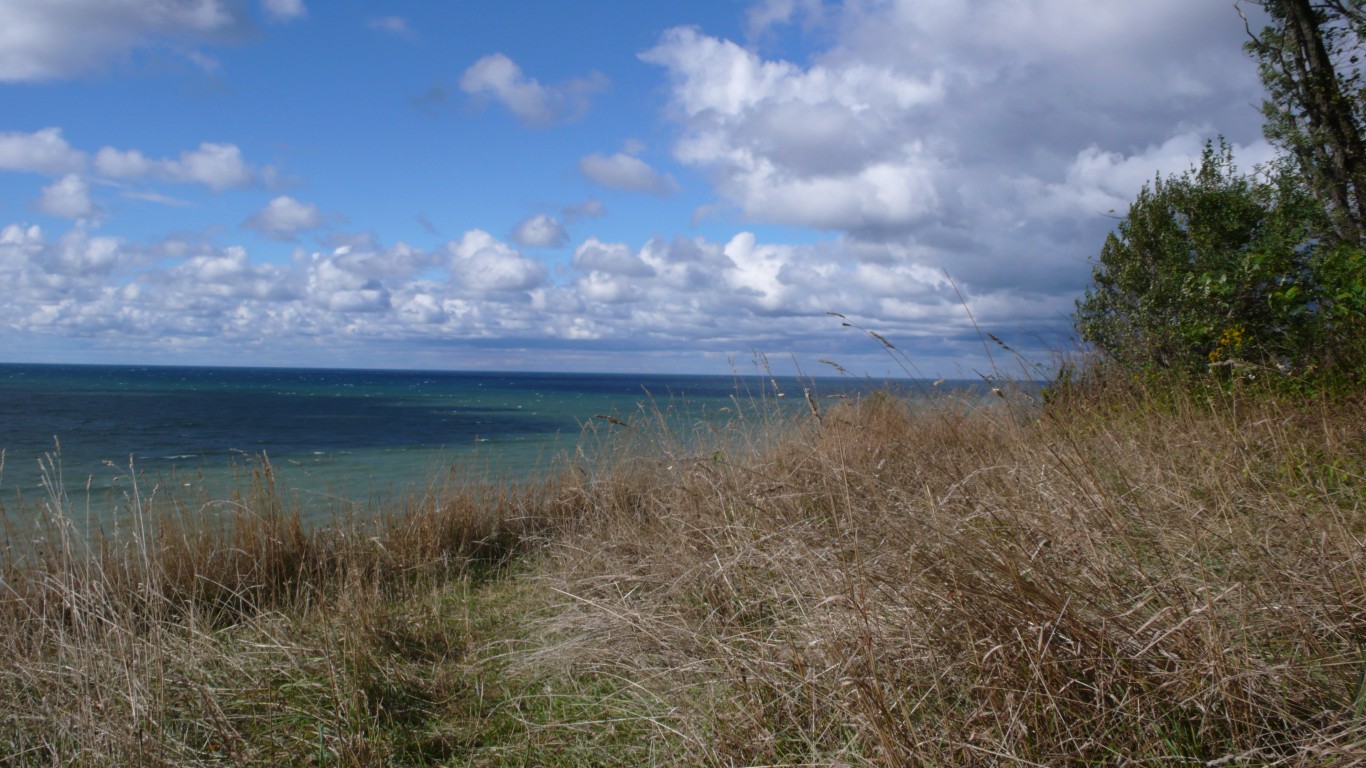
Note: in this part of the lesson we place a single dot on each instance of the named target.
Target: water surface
(329, 434)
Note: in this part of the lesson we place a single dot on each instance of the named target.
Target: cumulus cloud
(988, 140)
(38, 271)
(732, 295)
(611, 258)
(602, 288)
(500, 78)
(227, 274)
(44, 151)
(540, 231)
(365, 258)
(422, 309)
(45, 40)
(623, 171)
(284, 10)
(744, 291)
(480, 262)
(216, 166)
(829, 146)
(123, 164)
(68, 197)
(335, 288)
(284, 217)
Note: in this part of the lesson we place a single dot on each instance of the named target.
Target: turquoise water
(329, 434)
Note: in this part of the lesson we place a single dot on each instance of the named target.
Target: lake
(338, 435)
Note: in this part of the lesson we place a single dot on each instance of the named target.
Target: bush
(1213, 271)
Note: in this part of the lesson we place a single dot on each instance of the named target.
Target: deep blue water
(330, 433)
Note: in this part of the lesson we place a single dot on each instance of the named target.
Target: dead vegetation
(1112, 580)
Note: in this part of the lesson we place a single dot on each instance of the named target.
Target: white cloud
(68, 197)
(116, 164)
(228, 274)
(891, 196)
(1106, 181)
(337, 289)
(44, 151)
(284, 217)
(718, 77)
(365, 258)
(284, 10)
(611, 258)
(503, 79)
(732, 296)
(540, 231)
(422, 309)
(53, 39)
(480, 262)
(216, 166)
(37, 271)
(623, 171)
(498, 77)
(603, 288)
(985, 139)
(829, 146)
(84, 257)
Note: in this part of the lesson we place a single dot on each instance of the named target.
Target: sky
(609, 186)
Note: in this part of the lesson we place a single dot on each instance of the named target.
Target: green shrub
(1217, 272)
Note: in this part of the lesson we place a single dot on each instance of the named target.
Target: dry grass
(234, 634)
(1108, 582)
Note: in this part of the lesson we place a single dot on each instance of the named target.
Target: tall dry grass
(1112, 580)
(233, 633)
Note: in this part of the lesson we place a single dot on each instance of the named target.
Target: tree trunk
(1332, 125)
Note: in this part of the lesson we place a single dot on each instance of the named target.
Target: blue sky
(613, 186)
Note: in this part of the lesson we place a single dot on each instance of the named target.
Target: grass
(1111, 580)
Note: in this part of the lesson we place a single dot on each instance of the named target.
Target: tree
(1209, 267)
(1213, 269)
(1316, 106)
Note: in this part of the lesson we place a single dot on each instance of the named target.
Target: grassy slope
(1110, 583)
